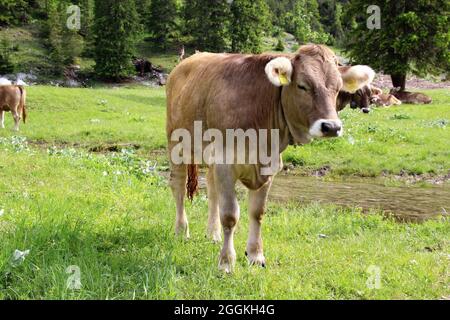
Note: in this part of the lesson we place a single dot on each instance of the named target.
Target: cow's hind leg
(256, 207)
(2, 119)
(178, 177)
(16, 117)
(229, 214)
(214, 227)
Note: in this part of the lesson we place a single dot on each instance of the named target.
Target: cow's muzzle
(326, 129)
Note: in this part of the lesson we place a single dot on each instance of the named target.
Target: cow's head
(364, 98)
(311, 82)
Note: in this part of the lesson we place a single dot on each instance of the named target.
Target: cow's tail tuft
(192, 181)
(22, 106)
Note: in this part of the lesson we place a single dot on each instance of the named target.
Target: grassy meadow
(110, 214)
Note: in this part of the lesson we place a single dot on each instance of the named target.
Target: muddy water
(410, 203)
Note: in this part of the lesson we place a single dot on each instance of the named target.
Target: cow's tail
(22, 106)
(192, 181)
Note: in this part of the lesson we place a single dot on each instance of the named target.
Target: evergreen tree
(305, 22)
(65, 44)
(337, 29)
(11, 11)
(116, 27)
(143, 9)
(414, 37)
(87, 23)
(162, 22)
(249, 21)
(208, 24)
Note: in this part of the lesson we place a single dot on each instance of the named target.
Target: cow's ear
(356, 77)
(376, 91)
(279, 71)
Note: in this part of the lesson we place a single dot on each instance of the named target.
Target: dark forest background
(414, 35)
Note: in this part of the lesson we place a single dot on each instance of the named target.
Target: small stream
(407, 203)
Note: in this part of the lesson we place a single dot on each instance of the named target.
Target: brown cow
(13, 99)
(411, 97)
(365, 97)
(381, 99)
(293, 96)
(360, 99)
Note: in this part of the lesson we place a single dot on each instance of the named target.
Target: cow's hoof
(182, 230)
(256, 259)
(227, 262)
(215, 235)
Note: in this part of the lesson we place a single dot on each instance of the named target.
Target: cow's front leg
(214, 227)
(256, 207)
(177, 182)
(2, 119)
(229, 214)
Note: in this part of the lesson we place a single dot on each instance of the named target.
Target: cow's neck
(279, 123)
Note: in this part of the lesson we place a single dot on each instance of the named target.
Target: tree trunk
(399, 81)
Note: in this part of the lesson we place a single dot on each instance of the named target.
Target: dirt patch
(419, 178)
(403, 176)
(114, 148)
(384, 82)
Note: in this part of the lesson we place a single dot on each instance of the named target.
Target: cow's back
(224, 91)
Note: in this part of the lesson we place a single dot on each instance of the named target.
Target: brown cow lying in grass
(12, 98)
(411, 97)
(365, 97)
(381, 99)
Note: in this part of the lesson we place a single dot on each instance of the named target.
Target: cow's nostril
(326, 127)
(331, 129)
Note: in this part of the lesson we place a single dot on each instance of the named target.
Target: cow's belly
(251, 177)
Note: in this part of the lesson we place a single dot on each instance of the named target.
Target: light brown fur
(233, 91)
(13, 99)
(411, 97)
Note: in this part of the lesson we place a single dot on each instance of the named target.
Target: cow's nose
(331, 129)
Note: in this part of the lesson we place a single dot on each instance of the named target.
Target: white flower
(351, 140)
(2, 212)
(105, 173)
(19, 256)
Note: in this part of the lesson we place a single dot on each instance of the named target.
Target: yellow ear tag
(283, 79)
(352, 85)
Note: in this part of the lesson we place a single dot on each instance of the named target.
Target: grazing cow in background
(13, 99)
(411, 97)
(293, 95)
(360, 99)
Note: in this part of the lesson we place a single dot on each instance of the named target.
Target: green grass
(105, 215)
(409, 138)
(32, 54)
(95, 117)
(118, 229)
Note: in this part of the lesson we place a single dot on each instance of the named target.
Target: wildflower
(19, 257)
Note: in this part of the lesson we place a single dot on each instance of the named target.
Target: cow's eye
(302, 87)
